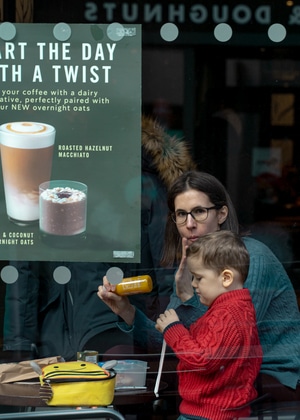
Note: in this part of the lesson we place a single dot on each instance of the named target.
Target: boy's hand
(165, 319)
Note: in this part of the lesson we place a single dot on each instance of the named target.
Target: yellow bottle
(134, 285)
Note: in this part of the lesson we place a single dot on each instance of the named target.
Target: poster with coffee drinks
(70, 138)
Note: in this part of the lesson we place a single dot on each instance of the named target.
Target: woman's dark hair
(217, 194)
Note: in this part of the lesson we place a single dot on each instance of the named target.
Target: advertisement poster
(70, 179)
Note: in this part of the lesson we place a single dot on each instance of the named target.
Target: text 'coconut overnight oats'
(63, 208)
(26, 156)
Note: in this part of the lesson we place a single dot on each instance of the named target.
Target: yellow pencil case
(77, 384)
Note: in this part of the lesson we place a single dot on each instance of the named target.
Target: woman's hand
(120, 305)
(165, 319)
(183, 277)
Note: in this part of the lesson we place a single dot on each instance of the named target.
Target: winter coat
(60, 318)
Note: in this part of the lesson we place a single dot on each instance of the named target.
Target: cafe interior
(223, 77)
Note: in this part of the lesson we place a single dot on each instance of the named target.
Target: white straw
(161, 363)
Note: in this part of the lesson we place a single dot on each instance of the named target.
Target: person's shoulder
(259, 250)
(261, 255)
(255, 245)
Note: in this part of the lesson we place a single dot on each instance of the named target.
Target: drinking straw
(160, 366)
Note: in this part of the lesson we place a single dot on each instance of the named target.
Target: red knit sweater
(219, 358)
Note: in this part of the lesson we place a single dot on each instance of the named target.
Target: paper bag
(22, 371)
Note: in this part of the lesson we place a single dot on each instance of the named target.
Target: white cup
(26, 156)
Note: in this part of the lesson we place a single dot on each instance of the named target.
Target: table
(26, 394)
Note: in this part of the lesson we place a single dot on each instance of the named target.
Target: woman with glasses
(198, 204)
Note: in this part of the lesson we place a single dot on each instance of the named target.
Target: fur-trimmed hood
(168, 156)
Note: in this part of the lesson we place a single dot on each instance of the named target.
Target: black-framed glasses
(200, 214)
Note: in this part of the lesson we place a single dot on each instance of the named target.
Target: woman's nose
(190, 221)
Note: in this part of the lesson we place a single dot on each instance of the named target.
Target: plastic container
(131, 373)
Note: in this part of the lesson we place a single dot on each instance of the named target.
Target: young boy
(220, 355)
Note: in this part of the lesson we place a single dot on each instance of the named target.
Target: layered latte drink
(26, 156)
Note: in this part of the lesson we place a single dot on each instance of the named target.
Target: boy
(220, 355)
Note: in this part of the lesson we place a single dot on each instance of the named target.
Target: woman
(198, 204)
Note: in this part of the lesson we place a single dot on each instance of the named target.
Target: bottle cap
(114, 275)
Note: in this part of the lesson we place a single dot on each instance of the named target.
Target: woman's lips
(193, 238)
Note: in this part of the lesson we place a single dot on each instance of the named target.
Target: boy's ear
(227, 276)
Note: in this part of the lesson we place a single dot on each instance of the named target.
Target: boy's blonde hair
(220, 250)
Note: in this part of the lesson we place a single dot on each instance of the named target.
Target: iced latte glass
(26, 157)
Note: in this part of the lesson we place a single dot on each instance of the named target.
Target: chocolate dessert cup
(63, 207)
